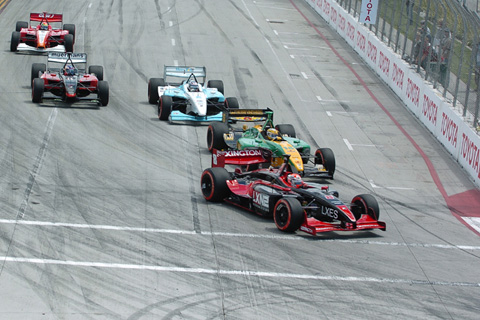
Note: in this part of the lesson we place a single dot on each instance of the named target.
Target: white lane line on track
(242, 273)
(474, 222)
(304, 75)
(390, 188)
(349, 146)
(233, 235)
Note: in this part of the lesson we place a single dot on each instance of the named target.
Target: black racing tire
(231, 103)
(103, 92)
(164, 107)
(215, 139)
(71, 29)
(97, 71)
(326, 157)
(68, 42)
(216, 84)
(37, 68)
(365, 204)
(37, 90)
(288, 214)
(214, 184)
(21, 25)
(286, 129)
(15, 41)
(153, 84)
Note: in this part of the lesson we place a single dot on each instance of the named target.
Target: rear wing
(184, 71)
(248, 115)
(49, 17)
(63, 57)
(241, 157)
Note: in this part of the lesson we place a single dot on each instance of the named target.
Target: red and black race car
(293, 203)
(45, 33)
(65, 77)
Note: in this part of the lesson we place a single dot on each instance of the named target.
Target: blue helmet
(70, 70)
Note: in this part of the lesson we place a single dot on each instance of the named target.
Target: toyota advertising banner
(368, 12)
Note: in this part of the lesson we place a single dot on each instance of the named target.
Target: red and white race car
(45, 33)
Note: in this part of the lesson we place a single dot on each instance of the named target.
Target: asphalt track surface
(102, 215)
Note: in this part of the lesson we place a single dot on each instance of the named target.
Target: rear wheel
(214, 184)
(153, 85)
(325, 157)
(37, 90)
(215, 139)
(71, 29)
(15, 41)
(37, 68)
(97, 71)
(286, 129)
(68, 43)
(218, 84)
(365, 204)
(21, 25)
(103, 92)
(164, 107)
(231, 103)
(288, 214)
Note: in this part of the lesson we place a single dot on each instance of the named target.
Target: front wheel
(103, 92)
(68, 42)
(325, 157)
(214, 184)
(37, 90)
(288, 214)
(15, 41)
(215, 136)
(164, 107)
(365, 204)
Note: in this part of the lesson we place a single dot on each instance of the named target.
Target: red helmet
(295, 180)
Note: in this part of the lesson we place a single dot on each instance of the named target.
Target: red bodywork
(57, 84)
(42, 39)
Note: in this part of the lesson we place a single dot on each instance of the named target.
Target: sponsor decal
(384, 63)
(449, 129)
(471, 153)
(45, 15)
(361, 40)
(333, 15)
(260, 200)
(242, 153)
(341, 22)
(350, 31)
(330, 212)
(372, 52)
(308, 230)
(397, 76)
(413, 92)
(329, 197)
(368, 12)
(326, 7)
(429, 109)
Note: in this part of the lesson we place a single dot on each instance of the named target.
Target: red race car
(293, 203)
(65, 77)
(45, 33)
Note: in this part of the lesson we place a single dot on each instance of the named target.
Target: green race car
(280, 139)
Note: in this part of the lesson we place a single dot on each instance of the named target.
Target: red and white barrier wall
(420, 97)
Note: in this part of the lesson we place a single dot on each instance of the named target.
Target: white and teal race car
(190, 100)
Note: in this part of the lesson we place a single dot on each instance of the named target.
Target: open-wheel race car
(65, 77)
(293, 203)
(45, 33)
(281, 139)
(190, 99)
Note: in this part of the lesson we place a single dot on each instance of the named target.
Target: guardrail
(448, 122)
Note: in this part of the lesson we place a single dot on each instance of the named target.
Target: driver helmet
(70, 70)
(44, 25)
(193, 86)
(273, 134)
(295, 180)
